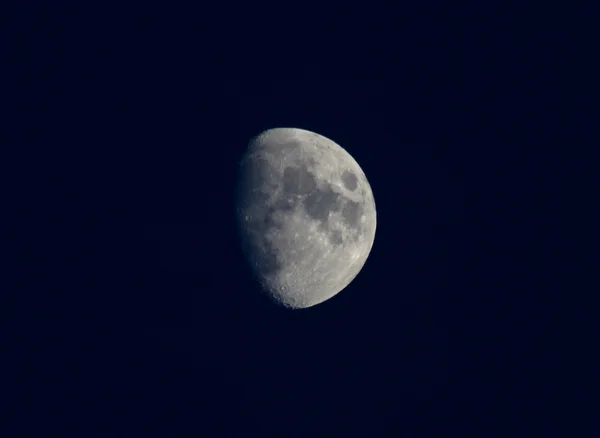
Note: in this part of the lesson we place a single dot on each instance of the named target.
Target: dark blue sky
(142, 319)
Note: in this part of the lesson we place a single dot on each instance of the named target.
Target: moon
(306, 216)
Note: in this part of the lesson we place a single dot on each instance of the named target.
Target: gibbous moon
(306, 215)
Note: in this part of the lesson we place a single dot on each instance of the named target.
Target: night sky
(141, 318)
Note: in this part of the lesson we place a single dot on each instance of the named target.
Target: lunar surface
(306, 215)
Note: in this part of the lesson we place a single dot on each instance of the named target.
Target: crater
(298, 180)
(259, 251)
(288, 146)
(335, 237)
(287, 203)
(264, 258)
(269, 221)
(349, 179)
(319, 203)
(256, 180)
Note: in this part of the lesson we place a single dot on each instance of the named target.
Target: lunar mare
(306, 215)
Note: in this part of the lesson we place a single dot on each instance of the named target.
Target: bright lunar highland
(305, 214)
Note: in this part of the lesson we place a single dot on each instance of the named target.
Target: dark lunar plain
(134, 312)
